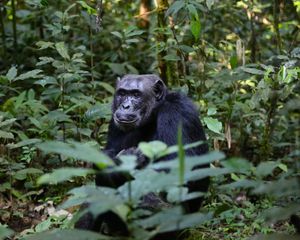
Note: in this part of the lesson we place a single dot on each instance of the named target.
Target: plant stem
(270, 123)
(2, 30)
(276, 11)
(13, 6)
(165, 67)
(92, 56)
(253, 34)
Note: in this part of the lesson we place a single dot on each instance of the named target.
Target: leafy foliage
(238, 60)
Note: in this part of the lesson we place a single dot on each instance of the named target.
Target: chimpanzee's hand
(142, 160)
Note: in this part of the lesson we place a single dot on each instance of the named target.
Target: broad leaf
(25, 142)
(30, 74)
(6, 135)
(67, 234)
(196, 28)
(62, 50)
(63, 174)
(82, 151)
(12, 73)
(5, 232)
(253, 71)
(22, 174)
(213, 124)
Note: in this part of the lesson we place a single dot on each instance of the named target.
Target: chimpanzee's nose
(125, 106)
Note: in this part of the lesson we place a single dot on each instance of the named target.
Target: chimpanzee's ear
(159, 89)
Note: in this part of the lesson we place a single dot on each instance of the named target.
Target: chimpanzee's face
(135, 99)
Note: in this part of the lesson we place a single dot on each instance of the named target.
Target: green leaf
(213, 124)
(193, 12)
(6, 135)
(117, 68)
(283, 167)
(47, 80)
(190, 162)
(181, 155)
(117, 34)
(211, 111)
(266, 168)
(98, 111)
(30, 74)
(12, 73)
(63, 174)
(253, 71)
(44, 60)
(209, 3)
(234, 62)
(275, 236)
(82, 151)
(196, 28)
(176, 220)
(67, 234)
(44, 45)
(279, 188)
(152, 149)
(25, 142)
(22, 174)
(171, 57)
(280, 213)
(90, 10)
(7, 122)
(107, 87)
(175, 7)
(237, 165)
(5, 232)
(62, 50)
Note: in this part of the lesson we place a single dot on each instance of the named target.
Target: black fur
(169, 112)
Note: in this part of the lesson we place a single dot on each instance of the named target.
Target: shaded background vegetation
(238, 60)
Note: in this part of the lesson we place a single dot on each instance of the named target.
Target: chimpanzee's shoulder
(179, 102)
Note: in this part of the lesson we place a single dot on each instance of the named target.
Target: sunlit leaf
(25, 142)
(82, 151)
(213, 124)
(117, 34)
(67, 234)
(152, 149)
(5, 232)
(6, 135)
(239, 165)
(90, 10)
(266, 168)
(63, 174)
(253, 71)
(209, 3)
(12, 73)
(7, 122)
(30, 74)
(62, 50)
(275, 236)
(44, 45)
(22, 174)
(175, 7)
(196, 28)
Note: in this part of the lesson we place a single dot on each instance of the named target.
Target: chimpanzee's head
(135, 100)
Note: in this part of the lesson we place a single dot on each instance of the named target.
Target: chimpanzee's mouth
(125, 122)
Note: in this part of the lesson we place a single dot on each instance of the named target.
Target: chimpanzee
(144, 110)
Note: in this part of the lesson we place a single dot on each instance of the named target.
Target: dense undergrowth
(238, 60)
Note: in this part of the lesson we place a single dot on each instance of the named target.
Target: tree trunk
(167, 70)
(145, 8)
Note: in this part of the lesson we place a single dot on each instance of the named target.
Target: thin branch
(99, 17)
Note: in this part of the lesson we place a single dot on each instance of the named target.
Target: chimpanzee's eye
(136, 94)
(121, 93)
